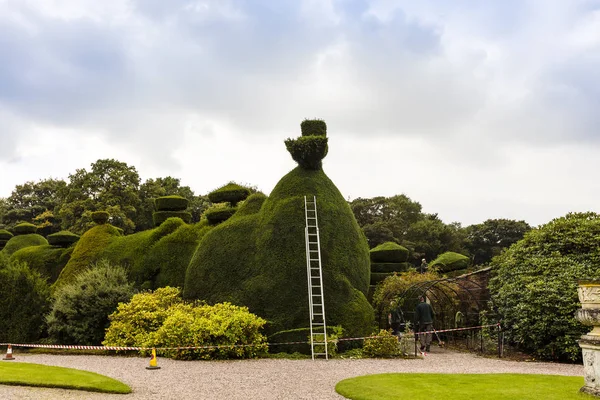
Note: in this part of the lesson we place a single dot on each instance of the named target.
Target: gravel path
(258, 379)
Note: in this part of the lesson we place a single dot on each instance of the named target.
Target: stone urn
(589, 315)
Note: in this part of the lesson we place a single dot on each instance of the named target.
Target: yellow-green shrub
(383, 345)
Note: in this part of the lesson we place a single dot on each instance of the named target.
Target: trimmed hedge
(171, 203)
(230, 193)
(308, 151)
(389, 252)
(100, 217)
(450, 261)
(377, 277)
(390, 267)
(62, 238)
(22, 241)
(313, 127)
(48, 260)
(159, 217)
(3, 243)
(251, 205)
(5, 235)
(24, 228)
(259, 260)
(217, 215)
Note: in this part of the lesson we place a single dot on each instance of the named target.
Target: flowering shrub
(383, 345)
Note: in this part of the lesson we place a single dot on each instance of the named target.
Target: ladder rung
(318, 323)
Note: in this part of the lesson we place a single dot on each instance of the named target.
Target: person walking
(424, 316)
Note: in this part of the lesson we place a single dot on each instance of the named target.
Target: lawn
(25, 374)
(462, 386)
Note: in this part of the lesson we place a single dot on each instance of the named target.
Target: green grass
(25, 374)
(462, 386)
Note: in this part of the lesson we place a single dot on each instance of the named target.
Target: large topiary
(46, 259)
(451, 261)
(21, 241)
(309, 149)
(62, 238)
(259, 260)
(534, 285)
(24, 228)
(100, 217)
(169, 207)
(80, 310)
(24, 299)
(389, 252)
(230, 193)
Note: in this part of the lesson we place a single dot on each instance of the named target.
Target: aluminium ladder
(316, 305)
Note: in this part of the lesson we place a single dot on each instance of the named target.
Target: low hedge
(62, 238)
(5, 235)
(231, 193)
(313, 127)
(451, 261)
(24, 228)
(100, 217)
(171, 203)
(389, 252)
(217, 215)
(159, 217)
(390, 267)
(308, 151)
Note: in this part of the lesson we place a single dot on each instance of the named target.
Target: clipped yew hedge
(390, 267)
(24, 228)
(48, 260)
(100, 217)
(62, 238)
(159, 217)
(230, 193)
(389, 252)
(217, 215)
(251, 205)
(313, 127)
(5, 235)
(171, 203)
(308, 151)
(451, 261)
(22, 241)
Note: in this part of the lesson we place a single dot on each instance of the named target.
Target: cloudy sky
(475, 109)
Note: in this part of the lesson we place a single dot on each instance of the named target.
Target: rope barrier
(130, 348)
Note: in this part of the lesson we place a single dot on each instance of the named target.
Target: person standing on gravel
(424, 322)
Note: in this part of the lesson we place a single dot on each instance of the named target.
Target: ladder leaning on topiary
(171, 206)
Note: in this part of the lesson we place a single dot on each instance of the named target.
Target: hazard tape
(119, 348)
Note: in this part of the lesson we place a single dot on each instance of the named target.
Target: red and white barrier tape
(119, 348)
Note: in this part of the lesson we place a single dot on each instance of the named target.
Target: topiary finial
(309, 149)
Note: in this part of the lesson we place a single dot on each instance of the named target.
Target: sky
(475, 109)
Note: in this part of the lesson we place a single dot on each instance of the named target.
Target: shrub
(161, 319)
(158, 217)
(45, 259)
(217, 215)
(3, 243)
(534, 285)
(24, 228)
(100, 217)
(377, 277)
(5, 235)
(313, 127)
(450, 261)
(22, 241)
(24, 299)
(251, 205)
(390, 267)
(62, 238)
(80, 309)
(171, 203)
(231, 193)
(383, 345)
(308, 151)
(389, 252)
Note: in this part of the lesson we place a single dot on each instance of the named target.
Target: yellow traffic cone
(153, 364)
(9, 355)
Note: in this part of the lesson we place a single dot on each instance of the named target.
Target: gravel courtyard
(258, 379)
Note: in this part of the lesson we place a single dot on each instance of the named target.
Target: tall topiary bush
(309, 149)
(24, 299)
(534, 285)
(80, 309)
(451, 261)
(169, 207)
(386, 259)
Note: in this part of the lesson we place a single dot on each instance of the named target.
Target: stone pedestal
(589, 314)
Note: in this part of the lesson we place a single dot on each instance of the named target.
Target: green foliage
(46, 259)
(24, 299)
(251, 205)
(219, 214)
(488, 239)
(5, 235)
(389, 252)
(450, 261)
(390, 267)
(24, 228)
(534, 285)
(383, 345)
(22, 241)
(161, 216)
(80, 310)
(230, 193)
(62, 238)
(313, 127)
(161, 319)
(161, 187)
(88, 250)
(263, 262)
(171, 203)
(430, 237)
(100, 217)
(308, 151)
(377, 277)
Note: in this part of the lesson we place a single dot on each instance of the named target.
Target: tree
(111, 185)
(430, 237)
(488, 239)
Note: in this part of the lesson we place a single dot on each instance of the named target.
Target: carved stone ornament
(589, 294)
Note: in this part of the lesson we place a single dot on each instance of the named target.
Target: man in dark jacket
(424, 322)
